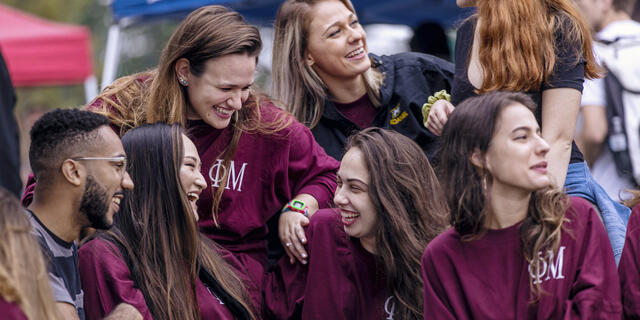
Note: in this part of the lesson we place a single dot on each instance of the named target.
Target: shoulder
(99, 251)
(634, 219)
(581, 217)
(325, 223)
(419, 61)
(442, 247)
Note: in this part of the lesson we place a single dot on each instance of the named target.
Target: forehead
(189, 147)
(352, 166)
(233, 69)
(108, 142)
(326, 13)
(515, 116)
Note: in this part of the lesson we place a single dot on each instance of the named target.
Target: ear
(73, 172)
(182, 68)
(477, 159)
(309, 59)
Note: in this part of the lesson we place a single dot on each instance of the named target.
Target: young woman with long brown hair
(365, 255)
(519, 248)
(324, 74)
(542, 48)
(154, 258)
(256, 157)
(24, 283)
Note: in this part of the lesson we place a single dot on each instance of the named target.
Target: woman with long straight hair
(519, 248)
(365, 254)
(154, 258)
(542, 48)
(328, 80)
(256, 157)
(24, 282)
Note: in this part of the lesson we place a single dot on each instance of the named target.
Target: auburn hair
(518, 47)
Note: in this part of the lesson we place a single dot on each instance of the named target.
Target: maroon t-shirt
(267, 171)
(361, 112)
(340, 281)
(488, 278)
(629, 268)
(106, 282)
(10, 310)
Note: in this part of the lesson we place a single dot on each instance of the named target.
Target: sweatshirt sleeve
(629, 269)
(310, 169)
(106, 281)
(595, 292)
(436, 305)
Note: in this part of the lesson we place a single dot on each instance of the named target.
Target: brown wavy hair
(294, 82)
(518, 47)
(471, 127)
(157, 232)
(23, 274)
(410, 207)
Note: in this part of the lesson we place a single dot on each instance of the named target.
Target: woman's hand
(291, 231)
(438, 116)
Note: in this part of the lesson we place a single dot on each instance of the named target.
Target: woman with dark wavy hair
(519, 248)
(154, 258)
(365, 254)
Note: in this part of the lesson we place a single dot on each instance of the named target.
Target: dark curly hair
(60, 133)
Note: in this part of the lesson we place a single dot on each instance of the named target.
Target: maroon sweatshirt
(10, 310)
(341, 280)
(106, 282)
(267, 171)
(488, 278)
(629, 268)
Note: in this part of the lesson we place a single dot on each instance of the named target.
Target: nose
(339, 198)
(126, 182)
(235, 100)
(542, 146)
(200, 182)
(356, 34)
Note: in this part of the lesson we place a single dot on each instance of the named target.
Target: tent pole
(111, 58)
(90, 88)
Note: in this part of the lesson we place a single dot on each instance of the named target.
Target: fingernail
(304, 255)
(304, 240)
(304, 261)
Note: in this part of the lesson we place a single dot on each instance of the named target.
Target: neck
(369, 244)
(56, 211)
(614, 16)
(507, 207)
(346, 91)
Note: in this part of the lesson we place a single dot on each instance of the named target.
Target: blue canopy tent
(262, 12)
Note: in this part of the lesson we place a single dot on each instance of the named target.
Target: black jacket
(409, 79)
(10, 155)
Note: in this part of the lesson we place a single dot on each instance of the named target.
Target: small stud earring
(183, 81)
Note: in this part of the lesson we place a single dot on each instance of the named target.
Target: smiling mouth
(193, 197)
(355, 53)
(348, 217)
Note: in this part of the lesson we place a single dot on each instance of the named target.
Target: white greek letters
(234, 179)
(390, 307)
(549, 266)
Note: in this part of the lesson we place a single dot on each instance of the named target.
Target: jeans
(615, 216)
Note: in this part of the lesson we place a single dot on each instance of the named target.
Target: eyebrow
(335, 24)
(192, 157)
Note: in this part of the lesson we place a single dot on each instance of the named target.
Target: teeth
(116, 200)
(355, 52)
(349, 216)
(192, 196)
(224, 111)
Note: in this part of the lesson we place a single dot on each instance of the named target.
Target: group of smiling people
(383, 211)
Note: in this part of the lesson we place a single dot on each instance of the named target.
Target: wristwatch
(296, 206)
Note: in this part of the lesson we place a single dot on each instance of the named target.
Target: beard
(95, 204)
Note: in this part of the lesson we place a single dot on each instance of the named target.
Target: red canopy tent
(39, 52)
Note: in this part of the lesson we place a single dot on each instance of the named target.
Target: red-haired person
(364, 258)
(519, 248)
(542, 48)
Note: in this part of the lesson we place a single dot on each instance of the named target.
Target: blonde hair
(294, 82)
(23, 274)
(519, 54)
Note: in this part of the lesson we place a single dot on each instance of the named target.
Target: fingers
(438, 116)
(292, 235)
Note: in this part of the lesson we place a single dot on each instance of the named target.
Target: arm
(67, 311)
(106, 281)
(559, 115)
(124, 312)
(591, 138)
(438, 116)
(595, 290)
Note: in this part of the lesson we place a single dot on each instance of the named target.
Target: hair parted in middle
(471, 127)
(157, 231)
(518, 49)
(410, 207)
(294, 82)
